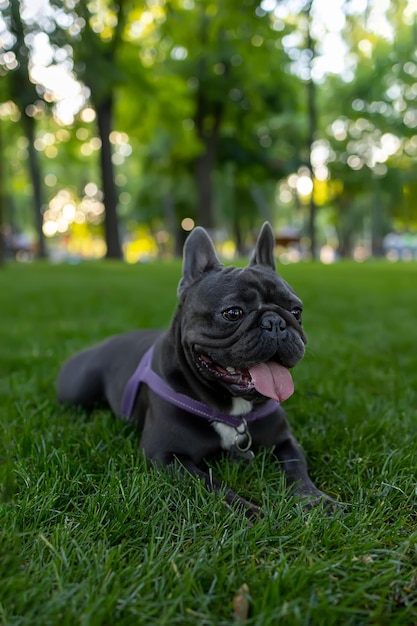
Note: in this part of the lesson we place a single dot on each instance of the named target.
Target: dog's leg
(185, 464)
(294, 466)
(212, 484)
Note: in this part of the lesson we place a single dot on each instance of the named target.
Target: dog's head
(240, 329)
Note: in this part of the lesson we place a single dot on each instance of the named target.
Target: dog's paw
(319, 500)
(251, 511)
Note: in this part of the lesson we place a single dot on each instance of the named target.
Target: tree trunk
(208, 119)
(172, 223)
(345, 235)
(35, 176)
(260, 202)
(312, 129)
(23, 92)
(206, 161)
(377, 241)
(237, 231)
(203, 169)
(2, 204)
(111, 225)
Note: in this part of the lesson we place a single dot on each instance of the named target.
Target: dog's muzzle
(273, 322)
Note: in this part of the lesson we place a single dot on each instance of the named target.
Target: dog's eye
(296, 311)
(234, 314)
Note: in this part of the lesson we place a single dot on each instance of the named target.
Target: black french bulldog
(214, 380)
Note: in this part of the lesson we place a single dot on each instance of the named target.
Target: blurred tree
(312, 124)
(202, 109)
(232, 60)
(95, 51)
(2, 205)
(23, 92)
(371, 124)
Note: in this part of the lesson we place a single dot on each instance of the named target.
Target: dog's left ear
(263, 253)
(199, 257)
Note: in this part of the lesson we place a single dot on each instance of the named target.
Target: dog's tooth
(231, 370)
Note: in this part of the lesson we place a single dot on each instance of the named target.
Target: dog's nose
(271, 321)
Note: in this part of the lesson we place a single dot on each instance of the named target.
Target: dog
(215, 380)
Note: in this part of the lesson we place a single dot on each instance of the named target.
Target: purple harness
(145, 374)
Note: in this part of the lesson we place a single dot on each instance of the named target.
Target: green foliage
(90, 535)
(377, 104)
(188, 79)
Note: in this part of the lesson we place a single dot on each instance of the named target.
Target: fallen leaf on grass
(366, 558)
(241, 603)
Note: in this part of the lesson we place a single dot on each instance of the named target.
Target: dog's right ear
(199, 257)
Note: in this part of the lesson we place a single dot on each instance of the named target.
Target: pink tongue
(272, 380)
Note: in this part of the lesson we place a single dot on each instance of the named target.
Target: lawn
(90, 536)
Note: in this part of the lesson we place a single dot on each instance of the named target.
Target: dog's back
(83, 379)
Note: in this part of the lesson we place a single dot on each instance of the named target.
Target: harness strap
(145, 374)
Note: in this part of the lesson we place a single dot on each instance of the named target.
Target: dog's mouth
(270, 379)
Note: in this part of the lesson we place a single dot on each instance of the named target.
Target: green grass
(90, 536)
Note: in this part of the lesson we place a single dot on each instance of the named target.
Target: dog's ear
(263, 253)
(199, 257)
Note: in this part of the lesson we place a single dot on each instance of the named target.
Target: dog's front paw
(251, 511)
(319, 500)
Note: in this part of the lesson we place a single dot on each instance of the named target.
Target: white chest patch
(241, 406)
(228, 435)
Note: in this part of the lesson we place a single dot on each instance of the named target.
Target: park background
(125, 123)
